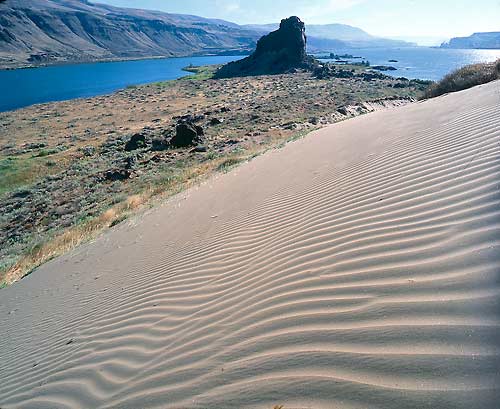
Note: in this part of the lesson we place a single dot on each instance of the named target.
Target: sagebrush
(464, 78)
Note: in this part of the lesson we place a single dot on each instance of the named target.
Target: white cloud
(324, 11)
(336, 5)
(228, 6)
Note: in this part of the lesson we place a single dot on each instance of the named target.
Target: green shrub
(464, 78)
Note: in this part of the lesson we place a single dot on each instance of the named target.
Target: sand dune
(356, 268)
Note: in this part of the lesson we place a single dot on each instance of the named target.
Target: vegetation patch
(16, 172)
(229, 163)
(200, 73)
(464, 78)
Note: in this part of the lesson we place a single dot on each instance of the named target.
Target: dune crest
(356, 268)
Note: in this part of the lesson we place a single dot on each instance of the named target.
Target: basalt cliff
(278, 52)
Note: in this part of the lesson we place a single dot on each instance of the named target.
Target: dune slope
(356, 268)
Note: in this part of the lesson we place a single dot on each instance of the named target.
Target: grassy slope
(464, 78)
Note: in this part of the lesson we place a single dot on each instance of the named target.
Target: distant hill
(477, 40)
(331, 36)
(48, 31)
(35, 32)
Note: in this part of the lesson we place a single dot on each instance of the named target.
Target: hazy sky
(390, 18)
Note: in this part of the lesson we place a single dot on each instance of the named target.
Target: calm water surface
(422, 62)
(19, 88)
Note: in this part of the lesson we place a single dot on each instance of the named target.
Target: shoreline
(111, 60)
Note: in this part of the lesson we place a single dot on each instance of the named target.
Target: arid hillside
(50, 31)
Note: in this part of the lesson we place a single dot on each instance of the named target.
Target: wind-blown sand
(356, 268)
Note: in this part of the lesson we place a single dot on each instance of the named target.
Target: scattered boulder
(117, 174)
(373, 75)
(199, 149)
(329, 71)
(186, 134)
(137, 141)
(216, 121)
(278, 52)
(159, 144)
(21, 194)
(383, 68)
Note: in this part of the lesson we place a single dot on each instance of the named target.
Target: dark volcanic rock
(278, 52)
(215, 121)
(199, 149)
(117, 174)
(159, 144)
(329, 71)
(137, 141)
(383, 68)
(186, 134)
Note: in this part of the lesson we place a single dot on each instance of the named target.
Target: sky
(423, 21)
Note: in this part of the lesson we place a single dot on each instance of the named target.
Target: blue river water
(24, 87)
(422, 62)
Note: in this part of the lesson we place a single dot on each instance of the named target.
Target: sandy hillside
(357, 268)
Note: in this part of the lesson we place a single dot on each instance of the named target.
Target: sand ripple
(358, 268)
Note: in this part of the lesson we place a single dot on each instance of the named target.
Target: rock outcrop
(278, 52)
(137, 141)
(186, 134)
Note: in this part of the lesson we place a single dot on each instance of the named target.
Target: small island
(333, 56)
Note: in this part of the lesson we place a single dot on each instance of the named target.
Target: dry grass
(58, 245)
(74, 236)
(464, 78)
(88, 230)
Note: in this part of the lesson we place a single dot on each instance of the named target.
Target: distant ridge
(489, 40)
(38, 32)
(34, 32)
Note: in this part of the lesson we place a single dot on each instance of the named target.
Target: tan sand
(356, 268)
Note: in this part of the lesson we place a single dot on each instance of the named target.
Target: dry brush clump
(70, 238)
(464, 78)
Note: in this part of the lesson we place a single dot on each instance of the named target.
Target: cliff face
(45, 31)
(477, 40)
(277, 52)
